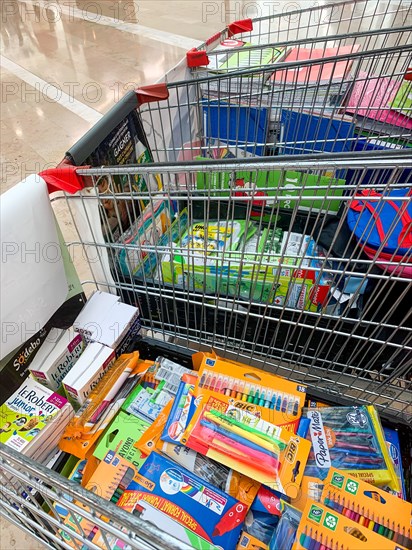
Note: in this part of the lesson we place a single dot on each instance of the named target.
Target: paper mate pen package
(182, 410)
(237, 435)
(350, 439)
(321, 527)
(282, 398)
(56, 357)
(188, 500)
(378, 510)
(121, 436)
(392, 441)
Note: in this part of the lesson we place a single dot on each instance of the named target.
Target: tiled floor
(64, 64)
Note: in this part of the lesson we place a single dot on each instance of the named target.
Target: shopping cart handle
(63, 178)
(154, 92)
(237, 27)
(197, 58)
(408, 74)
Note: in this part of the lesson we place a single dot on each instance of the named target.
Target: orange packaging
(282, 398)
(370, 503)
(321, 527)
(147, 442)
(238, 435)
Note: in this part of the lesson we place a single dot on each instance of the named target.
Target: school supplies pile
(33, 419)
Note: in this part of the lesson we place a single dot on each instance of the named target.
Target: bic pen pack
(82, 433)
(194, 506)
(238, 436)
(282, 398)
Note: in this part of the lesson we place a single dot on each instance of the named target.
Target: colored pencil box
(237, 435)
(350, 439)
(282, 398)
(321, 527)
(122, 434)
(386, 514)
(109, 481)
(162, 490)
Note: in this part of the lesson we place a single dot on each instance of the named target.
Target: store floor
(65, 64)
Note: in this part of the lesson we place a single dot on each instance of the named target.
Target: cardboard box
(86, 373)
(56, 357)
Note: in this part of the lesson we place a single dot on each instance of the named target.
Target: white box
(93, 311)
(87, 372)
(56, 357)
(115, 325)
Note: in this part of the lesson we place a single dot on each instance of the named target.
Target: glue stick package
(351, 439)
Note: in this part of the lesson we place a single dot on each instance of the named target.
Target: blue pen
(273, 401)
(262, 399)
(279, 402)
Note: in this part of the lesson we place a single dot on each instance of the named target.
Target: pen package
(182, 409)
(350, 439)
(242, 440)
(147, 442)
(102, 404)
(285, 534)
(282, 398)
(122, 434)
(370, 506)
(392, 442)
(147, 403)
(165, 491)
(233, 483)
(320, 528)
(109, 481)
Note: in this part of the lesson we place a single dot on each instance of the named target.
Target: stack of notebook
(232, 57)
(319, 87)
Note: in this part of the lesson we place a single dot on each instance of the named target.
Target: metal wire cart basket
(269, 221)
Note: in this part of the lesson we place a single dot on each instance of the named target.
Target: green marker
(249, 429)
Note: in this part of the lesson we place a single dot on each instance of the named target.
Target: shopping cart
(324, 310)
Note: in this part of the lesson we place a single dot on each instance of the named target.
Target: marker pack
(350, 439)
(282, 398)
(239, 436)
(370, 506)
(163, 491)
(322, 528)
(146, 403)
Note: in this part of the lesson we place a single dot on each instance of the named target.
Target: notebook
(316, 73)
(371, 96)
